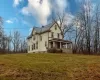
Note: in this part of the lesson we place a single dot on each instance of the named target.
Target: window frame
(45, 43)
(58, 35)
(37, 45)
(40, 38)
(32, 47)
(55, 27)
(34, 37)
(52, 34)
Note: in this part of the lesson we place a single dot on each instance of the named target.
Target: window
(32, 47)
(52, 34)
(55, 27)
(36, 45)
(45, 43)
(34, 37)
(29, 48)
(40, 38)
(58, 35)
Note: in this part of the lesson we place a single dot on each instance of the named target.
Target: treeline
(87, 31)
(83, 29)
(12, 43)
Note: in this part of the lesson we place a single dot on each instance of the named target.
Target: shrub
(54, 50)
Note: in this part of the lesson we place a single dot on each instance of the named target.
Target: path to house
(49, 67)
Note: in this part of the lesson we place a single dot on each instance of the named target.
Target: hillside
(49, 67)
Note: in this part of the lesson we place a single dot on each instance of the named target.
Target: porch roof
(60, 40)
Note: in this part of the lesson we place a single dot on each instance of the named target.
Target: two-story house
(49, 36)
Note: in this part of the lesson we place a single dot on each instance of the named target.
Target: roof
(41, 29)
(60, 40)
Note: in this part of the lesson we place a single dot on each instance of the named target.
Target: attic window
(55, 27)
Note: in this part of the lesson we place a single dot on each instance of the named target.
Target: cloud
(16, 2)
(26, 23)
(42, 9)
(68, 19)
(39, 8)
(30, 30)
(12, 20)
(9, 21)
(61, 6)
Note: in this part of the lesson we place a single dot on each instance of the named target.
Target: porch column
(53, 44)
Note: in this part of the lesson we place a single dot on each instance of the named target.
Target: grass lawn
(49, 67)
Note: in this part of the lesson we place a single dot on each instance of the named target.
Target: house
(46, 37)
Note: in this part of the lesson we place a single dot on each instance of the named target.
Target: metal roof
(41, 29)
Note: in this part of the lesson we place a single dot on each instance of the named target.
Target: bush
(54, 50)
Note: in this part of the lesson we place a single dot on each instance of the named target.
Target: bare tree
(16, 41)
(83, 33)
(23, 46)
(62, 20)
(97, 30)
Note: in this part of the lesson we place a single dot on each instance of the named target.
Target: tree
(23, 47)
(97, 30)
(62, 20)
(16, 41)
(83, 33)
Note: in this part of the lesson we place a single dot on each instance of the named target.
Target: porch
(60, 44)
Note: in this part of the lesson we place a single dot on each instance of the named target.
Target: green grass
(49, 67)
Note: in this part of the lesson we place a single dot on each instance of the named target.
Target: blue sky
(23, 14)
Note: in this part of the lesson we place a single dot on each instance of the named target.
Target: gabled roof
(42, 29)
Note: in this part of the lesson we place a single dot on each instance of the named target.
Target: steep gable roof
(42, 29)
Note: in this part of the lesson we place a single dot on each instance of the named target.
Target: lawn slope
(49, 67)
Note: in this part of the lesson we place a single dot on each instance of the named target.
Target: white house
(47, 37)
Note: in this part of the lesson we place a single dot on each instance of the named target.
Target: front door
(58, 45)
(51, 44)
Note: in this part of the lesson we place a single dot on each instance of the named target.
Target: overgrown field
(49, 67)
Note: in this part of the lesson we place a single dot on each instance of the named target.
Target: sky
(22, 15)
